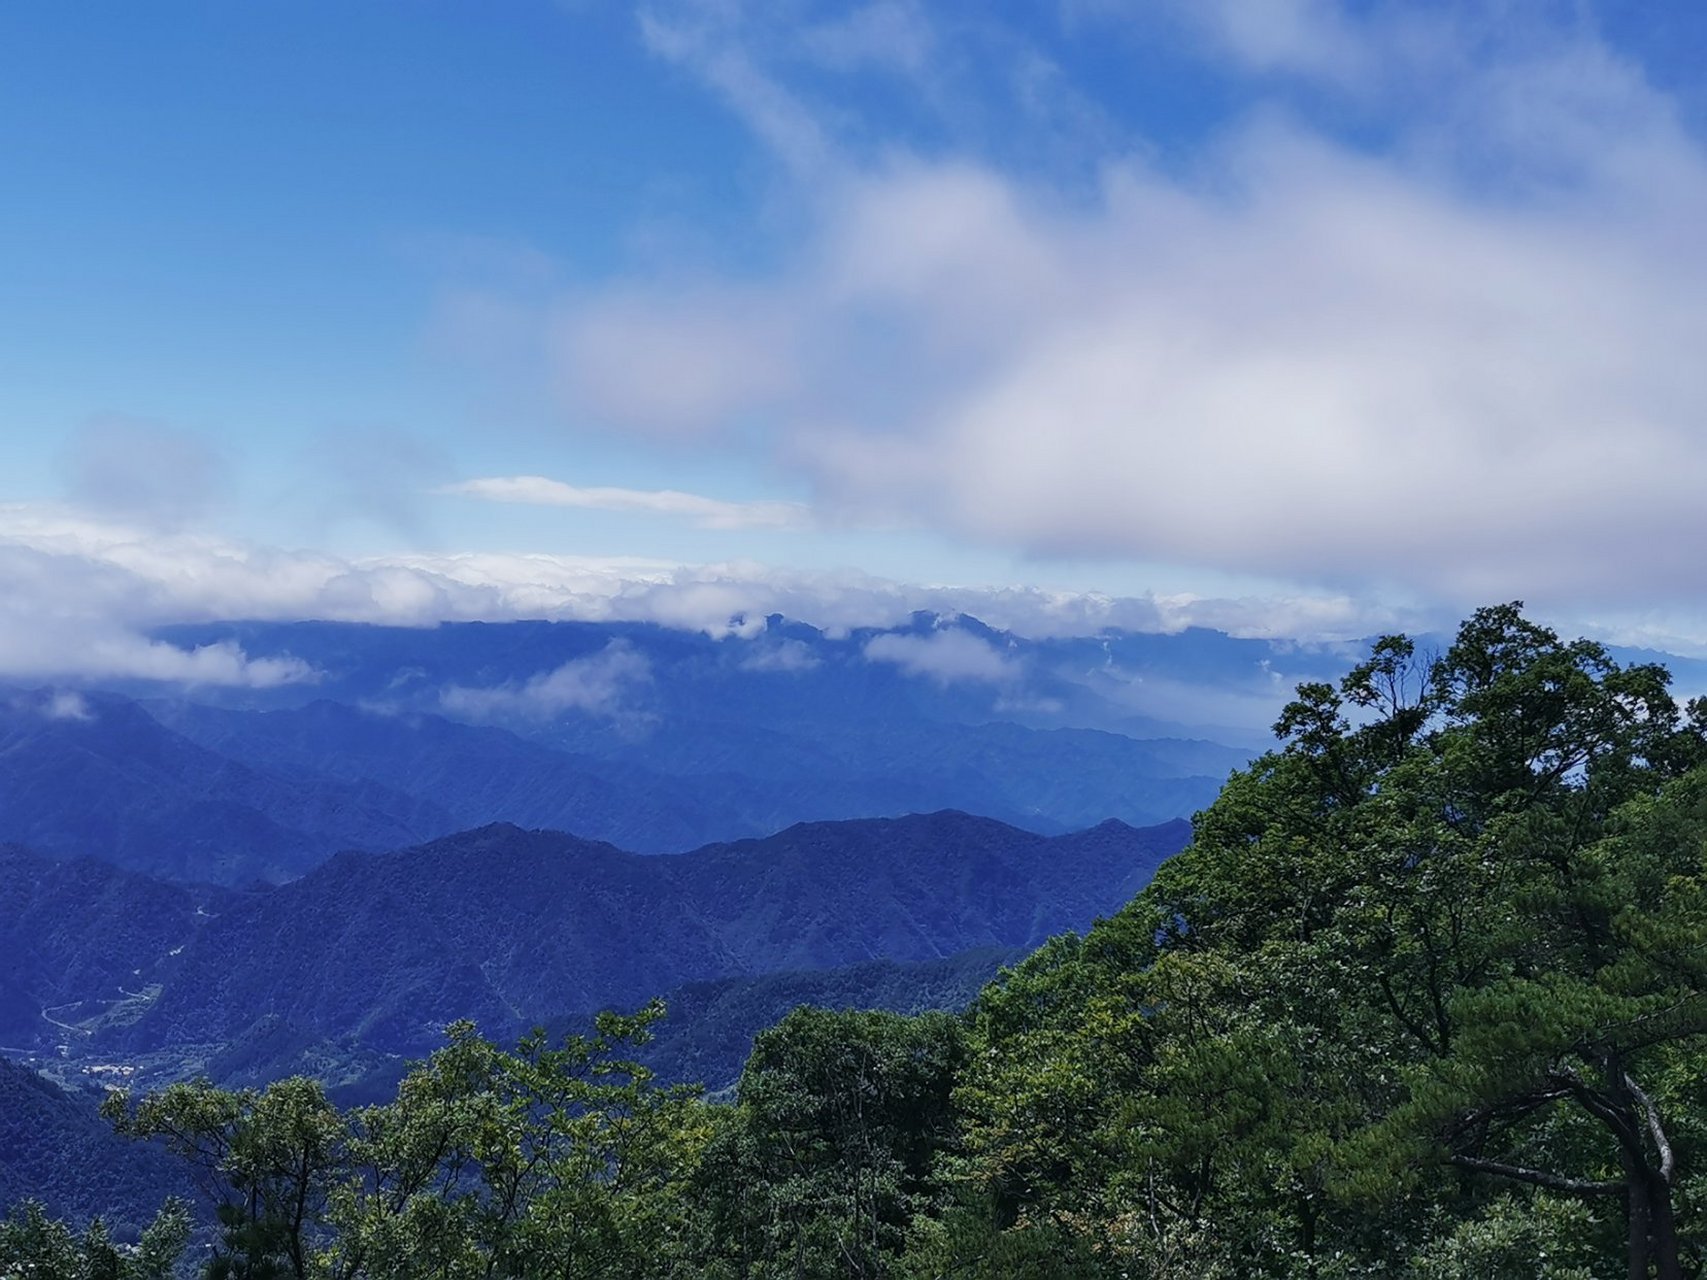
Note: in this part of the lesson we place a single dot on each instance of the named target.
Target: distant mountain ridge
(239, 795)
(506, 926)
(81, 936)
(95, 774)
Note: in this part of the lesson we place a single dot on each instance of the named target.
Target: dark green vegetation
(712, 1025)
(1426, 996)
(55, 1148)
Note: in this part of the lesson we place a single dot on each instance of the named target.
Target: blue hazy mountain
(508, 926)
(80, 939)
(678, 789)
(656, 740)
(94, 773)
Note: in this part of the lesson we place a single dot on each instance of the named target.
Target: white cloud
(600, 685)
(946, 656)
(77, 598)
(67, 704)
(790, 656)
(1459, 369)
(677, 358)
(706, 513)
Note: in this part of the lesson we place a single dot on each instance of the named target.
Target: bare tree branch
(1652, 1115)
(1540, 1178)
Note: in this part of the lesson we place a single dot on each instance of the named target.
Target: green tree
(564, 1160)
(1450, 936)
(830, 1152)
(266, 1160)
(36, 1247)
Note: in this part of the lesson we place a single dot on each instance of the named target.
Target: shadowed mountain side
(704, 1039)
(506, 926)
(918, 888)
(55, 1147)
(98, 775)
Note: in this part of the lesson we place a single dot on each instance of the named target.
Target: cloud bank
(944, 656)
(79, 596)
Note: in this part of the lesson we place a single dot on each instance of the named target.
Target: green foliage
(561, 1159)
(1514, 1238)
(1450, 938)
(34, 1246)
(829, 1153)
(555, 1160)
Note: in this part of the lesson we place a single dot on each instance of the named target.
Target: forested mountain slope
(79, 936)
(56, 1148)
(505, 926)
(709, 1027)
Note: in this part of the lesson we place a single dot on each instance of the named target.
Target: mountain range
(657, 741)
(526, 823)
(507, 926)
(56, 1149)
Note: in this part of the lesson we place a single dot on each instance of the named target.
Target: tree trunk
(1662, 1230)
(1637, 1200)
(1653, 1226)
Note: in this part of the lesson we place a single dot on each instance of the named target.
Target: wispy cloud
(601, 685)
(891, 35)
(706, 513)
(66, 704)
(143, 470)
(790, 656)
(944, 656)
(710, 38)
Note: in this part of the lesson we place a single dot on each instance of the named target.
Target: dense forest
(1425, 996)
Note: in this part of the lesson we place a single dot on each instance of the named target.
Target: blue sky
(1292, 316)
